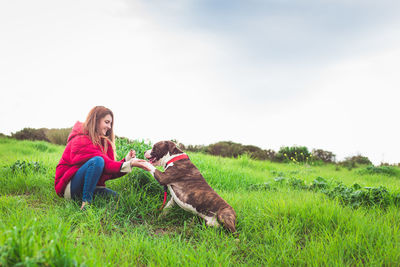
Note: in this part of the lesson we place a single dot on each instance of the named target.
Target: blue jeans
(83, 184)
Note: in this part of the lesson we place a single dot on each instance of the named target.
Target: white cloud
(168, 79)
(353, 108)
(128, 62)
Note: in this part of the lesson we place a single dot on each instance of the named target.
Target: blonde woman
(88, 160)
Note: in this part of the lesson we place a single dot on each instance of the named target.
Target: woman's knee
(98, 162)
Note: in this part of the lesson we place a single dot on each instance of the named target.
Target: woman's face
(104, 124)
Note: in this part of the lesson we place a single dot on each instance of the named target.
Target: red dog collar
(183, 156)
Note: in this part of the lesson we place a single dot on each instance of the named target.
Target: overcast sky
(322, 74)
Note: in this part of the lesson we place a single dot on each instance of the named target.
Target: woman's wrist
(126, 167)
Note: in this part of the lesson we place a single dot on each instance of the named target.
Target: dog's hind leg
(211, 221)
(228, 218)
(169, 205)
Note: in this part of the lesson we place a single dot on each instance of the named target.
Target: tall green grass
(281, 226)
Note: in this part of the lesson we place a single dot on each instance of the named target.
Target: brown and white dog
(187, 186)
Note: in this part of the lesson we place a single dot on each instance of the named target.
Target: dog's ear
(159, 150)
(173, 148)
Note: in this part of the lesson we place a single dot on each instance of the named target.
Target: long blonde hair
(90, 127)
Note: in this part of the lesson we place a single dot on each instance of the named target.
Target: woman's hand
(131, 154)
(140, 163)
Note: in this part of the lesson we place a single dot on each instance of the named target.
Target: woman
(88, 160)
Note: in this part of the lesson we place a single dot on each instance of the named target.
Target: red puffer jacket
(80, 149)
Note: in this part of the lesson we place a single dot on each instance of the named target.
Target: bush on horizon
(355, 161)
(323, 155)
(59, 136)
(234, 150)
(31, 134)
(54, 136)
(295, 153)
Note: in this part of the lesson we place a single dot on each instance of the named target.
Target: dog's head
(161, 151)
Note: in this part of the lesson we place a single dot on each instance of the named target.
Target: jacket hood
(76, 130)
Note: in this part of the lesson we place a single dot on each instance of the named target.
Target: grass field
(284, 217)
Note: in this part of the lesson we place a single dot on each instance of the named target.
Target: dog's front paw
(149, 167)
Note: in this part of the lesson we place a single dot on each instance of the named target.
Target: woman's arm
(82, 149)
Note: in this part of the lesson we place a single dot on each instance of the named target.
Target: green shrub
(391, 165)
(297, 183)
(319, 183)
(58, 136)
(31, 134)
(359, 159)
(25, 166)
(280, 180)
(260, 187)
(225, 149)
(261, 154)
(355, 196)
(385, 170)
(323, 155)
(355, 161)
(194, 148)
(54, 136)
(232, 149)
(295, 153)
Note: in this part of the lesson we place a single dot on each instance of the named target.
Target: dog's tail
(227, 217)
